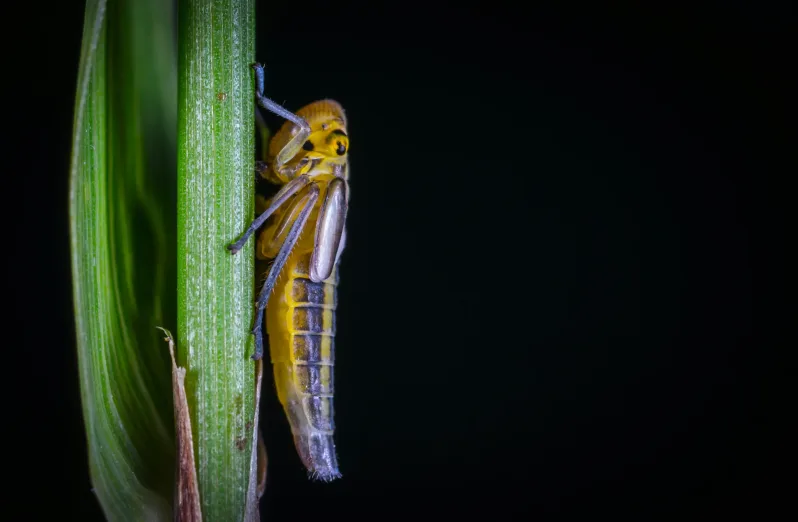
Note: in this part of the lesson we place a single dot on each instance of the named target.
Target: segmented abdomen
(300, 321)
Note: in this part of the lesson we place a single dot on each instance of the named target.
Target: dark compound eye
(339, 132)
(308, 145)
(341, 150)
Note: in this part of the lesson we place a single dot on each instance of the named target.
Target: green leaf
(122, 220)
(215, 205)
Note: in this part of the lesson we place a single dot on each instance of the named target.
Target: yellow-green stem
(216, 40)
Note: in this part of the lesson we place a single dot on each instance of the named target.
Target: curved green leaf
(122, 220)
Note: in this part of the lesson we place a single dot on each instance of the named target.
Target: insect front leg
(294, 145)
(307, 203)
(262, 167)
(288, 190)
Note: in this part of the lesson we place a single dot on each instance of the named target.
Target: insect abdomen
(301, 326)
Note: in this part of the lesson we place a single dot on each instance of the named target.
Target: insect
(304, 235)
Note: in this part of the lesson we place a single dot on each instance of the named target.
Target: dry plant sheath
(186, 499)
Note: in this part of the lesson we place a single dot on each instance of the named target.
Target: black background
(555, 297)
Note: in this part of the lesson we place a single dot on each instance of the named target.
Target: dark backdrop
(553, 298)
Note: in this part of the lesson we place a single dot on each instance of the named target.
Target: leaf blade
(112, 178)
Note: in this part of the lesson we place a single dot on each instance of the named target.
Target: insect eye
(308, 145)
(341, 150)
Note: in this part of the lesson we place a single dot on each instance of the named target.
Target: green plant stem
(216, 42)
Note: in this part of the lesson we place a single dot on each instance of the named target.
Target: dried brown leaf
(187, 499)
(257, 465)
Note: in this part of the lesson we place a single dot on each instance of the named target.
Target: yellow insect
(308, 158)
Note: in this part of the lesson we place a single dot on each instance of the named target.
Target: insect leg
(261, 167)
(263, 131)
(295, 144)
(260, 123)
(307, 203)
(329, 229)
(288, 190)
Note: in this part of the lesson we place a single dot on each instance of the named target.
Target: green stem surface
(216, 40)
